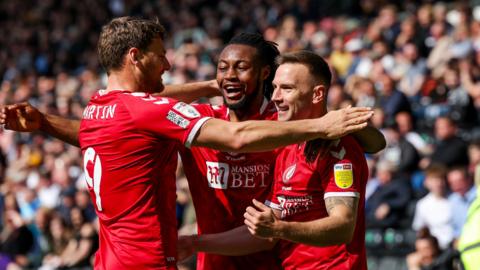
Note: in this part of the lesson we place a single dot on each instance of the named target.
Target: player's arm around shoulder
(190, 92)
(251, 136)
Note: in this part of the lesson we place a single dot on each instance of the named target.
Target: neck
(318, 111)
(120, 80)
(248, 112)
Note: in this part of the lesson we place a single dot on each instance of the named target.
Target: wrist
(43, 123)
(212, 86)
(196, 242)
(321, 129)
(280, 230)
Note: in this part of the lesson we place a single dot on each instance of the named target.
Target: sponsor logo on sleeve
(187, 110)
(294, 204)
(343, 174)
(177, 119)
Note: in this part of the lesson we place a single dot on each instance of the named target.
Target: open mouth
(281, 108)
(234, 91)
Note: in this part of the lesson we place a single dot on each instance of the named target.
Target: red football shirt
(299, 192)
(130, 142)
(223, 185)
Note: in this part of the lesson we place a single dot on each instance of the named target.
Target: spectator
(411, 71)
(428, 255)
(405, 123)
(82, 201)
(391, 100)
(82, 246)
(460, 104)
(42, 236)
(385, 206)
(450, 150)
(434, 211)
(16, 240)
(473, 156)
(399, 151)
(462, 196)
(61, 235)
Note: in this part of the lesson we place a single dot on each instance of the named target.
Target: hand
(261, 221)
(185, 247)
(15, 218)
(341, 122)
(414, 261)
(21, 117)
(382, 211)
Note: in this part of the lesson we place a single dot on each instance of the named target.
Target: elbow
(346, 233)
(348, 236)
(238, 141)
(237, 145)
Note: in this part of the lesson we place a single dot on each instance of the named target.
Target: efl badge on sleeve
(187, 110)
(343, 174)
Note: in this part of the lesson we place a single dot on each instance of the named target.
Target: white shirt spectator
(435, 214)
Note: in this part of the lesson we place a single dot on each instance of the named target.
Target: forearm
(80, 254)
(370, 139)
(235, 242)
(191, 91)
(251, 136)
(321, 232)
(61, 128)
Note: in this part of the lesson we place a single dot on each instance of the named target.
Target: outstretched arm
(251, 136)
(337, 228)
(370, 139)
(191, 91)
(24, 117)
(235, 242)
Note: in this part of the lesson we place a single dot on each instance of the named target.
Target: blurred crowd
(416, 62)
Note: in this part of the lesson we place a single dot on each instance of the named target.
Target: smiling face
(294, 92)
(152, 65)
(239, 76)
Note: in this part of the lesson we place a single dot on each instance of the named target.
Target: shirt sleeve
(418, 222)
(345, 172)
(272, 200)
(165, 117)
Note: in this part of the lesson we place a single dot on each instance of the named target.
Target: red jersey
(223, 186)
(299, 192)
(130, 143)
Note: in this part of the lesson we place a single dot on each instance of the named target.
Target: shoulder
(347, 148)
(144, 98)
(217, 111)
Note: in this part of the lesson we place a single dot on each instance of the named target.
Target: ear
(318, 94)
(266, 72)
(133, 56)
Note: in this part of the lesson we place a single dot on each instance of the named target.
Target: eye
(222, 68)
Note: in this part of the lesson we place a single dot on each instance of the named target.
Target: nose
(230, 73)
(167, 65)
(276, 96)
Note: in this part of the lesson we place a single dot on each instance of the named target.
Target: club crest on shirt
(343, 174)
(288, 173)
(187, 110)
